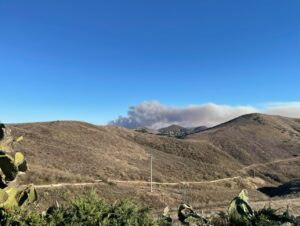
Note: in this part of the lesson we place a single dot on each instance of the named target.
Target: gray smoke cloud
(155, 115)
(291, 109)
(152, 114)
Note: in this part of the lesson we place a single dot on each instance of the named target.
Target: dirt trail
(67, 185)
(131, 182)
(176, 183)
(280, 203)
(272, 162)
(164, 183)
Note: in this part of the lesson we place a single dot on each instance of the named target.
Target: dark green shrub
(270, 217)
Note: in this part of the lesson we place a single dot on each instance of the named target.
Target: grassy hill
(60, 151)
(258, 139)
(77, 151)
(69, 151)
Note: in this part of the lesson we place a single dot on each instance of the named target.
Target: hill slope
(257, 139)
(179, 131)
(77, 151)
(60, 151)
(173, 129)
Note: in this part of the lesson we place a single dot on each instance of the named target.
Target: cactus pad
(27, 196)
(8, 167)
(20, 162)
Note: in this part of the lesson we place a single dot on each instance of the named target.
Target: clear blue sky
(90, 60)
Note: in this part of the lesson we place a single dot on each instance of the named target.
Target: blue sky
(91, 60)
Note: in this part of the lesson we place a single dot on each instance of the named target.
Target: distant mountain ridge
(179, 131)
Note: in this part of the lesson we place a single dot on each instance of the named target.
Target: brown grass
(80, 152)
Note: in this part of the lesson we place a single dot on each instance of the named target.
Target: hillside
(77, 151)
(257, 139)
(173, 129)
(179, 131)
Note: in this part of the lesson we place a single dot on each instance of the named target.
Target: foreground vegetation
(88, 210)
(91, 210)
(11, 165)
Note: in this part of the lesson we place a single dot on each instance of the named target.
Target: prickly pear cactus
(187, 216)
(6, 140)
(11, 166)
(166, 219)
(2, 126)
(239, 209)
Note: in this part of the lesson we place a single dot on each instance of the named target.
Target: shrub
(87, 210)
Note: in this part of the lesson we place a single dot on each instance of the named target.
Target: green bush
(270, 217)
(89, 210)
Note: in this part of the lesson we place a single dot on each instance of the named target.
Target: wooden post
(151, 174)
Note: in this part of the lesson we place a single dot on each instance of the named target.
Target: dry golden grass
(85, 150)
(68, 151)
(206, 198)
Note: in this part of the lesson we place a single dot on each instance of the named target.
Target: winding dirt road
(272, 162)
(130, 182)
(58, 185)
